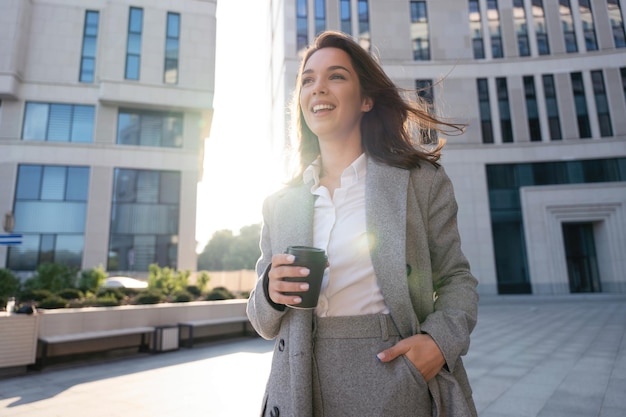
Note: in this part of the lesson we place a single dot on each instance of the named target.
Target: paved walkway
(530, 356)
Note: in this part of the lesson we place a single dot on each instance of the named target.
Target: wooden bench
(191, 324)
(75, 337)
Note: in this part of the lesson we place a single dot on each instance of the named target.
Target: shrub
(202, 280)
(182, 297)
(92, 279)
(116, 293)
(107, 301)
(166, 279)
(219, 293)
(34, 295)
(52, 277)
(53, 302)
(70, 294)
(9, 284)
(150, 296)
(194, 290)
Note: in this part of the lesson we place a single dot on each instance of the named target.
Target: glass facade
(552, 107)
(50, 211)
(506, 126)
(534, 126)
(133, 45)
(364, 24)
(541, 30)
(144, 219)
(58, 122)
(88, 53)
(495, 32)
(486, 125)
(589, 28)
(320, 16)
(419, 31)
(345, 14)
(172, 47)
(582, 114)
(302, 25)
(602, 104)
(476, 29)
(504, 181)
(567, 23)
(521, 27)
(617, 23)
(150, 128)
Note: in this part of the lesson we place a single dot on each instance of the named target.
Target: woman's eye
(337, 77)
(307, 81)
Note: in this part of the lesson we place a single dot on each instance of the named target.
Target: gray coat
(417, 257)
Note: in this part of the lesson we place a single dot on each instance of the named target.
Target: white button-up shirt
(349, 286)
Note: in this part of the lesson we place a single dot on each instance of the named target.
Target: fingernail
(291, 258)
(304, 271)
(380, 356)
(304, 286)
(297, 300)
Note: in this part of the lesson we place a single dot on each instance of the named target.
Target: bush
(9, 284)
(116, 293)
(219, 293)
(182, 297)
(166, 279)
(52, 302)
(92, 279)
(150, 296)
(52, 277)
(35, 295)
(70, 294)
(202, 280)
(107, 301)
(194, 290)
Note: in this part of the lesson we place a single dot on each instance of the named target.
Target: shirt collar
(350, 175)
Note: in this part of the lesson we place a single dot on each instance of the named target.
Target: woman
(398, 301)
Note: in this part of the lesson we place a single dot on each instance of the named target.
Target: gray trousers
(348, 378)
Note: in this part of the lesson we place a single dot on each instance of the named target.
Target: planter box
(18, 339)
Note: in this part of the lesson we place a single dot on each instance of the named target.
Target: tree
(226, 252)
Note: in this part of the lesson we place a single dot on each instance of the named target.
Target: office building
(104, 107)
(540, 173)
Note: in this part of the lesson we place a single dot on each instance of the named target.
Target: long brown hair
(388, 130)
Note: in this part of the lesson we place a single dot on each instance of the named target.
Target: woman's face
(330, 95)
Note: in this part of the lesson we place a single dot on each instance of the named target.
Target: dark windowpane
(552, 107)
(46, 249)
(534, 126)
(146, 128)
(582, 115)
(28, 182)
(485, 110)
(504, 109)
(77, 184)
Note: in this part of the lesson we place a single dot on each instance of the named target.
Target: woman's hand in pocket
(421, 350)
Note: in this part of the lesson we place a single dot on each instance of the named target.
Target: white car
(124, 282)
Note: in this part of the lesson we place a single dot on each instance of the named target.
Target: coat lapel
(386, 202)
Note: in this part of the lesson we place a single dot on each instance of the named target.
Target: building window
(419, 31)
(589, 29)
(486, 125)
(144, 220)
(541, 30)
(521, 27)
(320, 16)
(617, 23)
(582, 115)
(534, 127)
(476, 29)
(493, 18)
(50, 211)
(88, 54)
(172, 47)
(302, 25)
(150, 128)
(345, 14)
(623, 73)
(56, 122)
(602, 104)
(567, 22)
(552, 107)
(506, 126)
(364, 24)
(133, 46)
(424, 89)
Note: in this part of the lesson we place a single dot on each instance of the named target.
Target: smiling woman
(240, 168)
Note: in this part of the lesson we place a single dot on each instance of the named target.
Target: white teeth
(319, 107)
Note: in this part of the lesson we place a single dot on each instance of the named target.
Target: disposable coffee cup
(315, 260)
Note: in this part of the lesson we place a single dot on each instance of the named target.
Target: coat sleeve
(456, 304)
(265, 316)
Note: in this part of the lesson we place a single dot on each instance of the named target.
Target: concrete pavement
(530, 356)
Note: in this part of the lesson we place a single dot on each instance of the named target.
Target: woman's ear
(367, 105)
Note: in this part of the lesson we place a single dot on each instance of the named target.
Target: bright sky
(239, 170)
